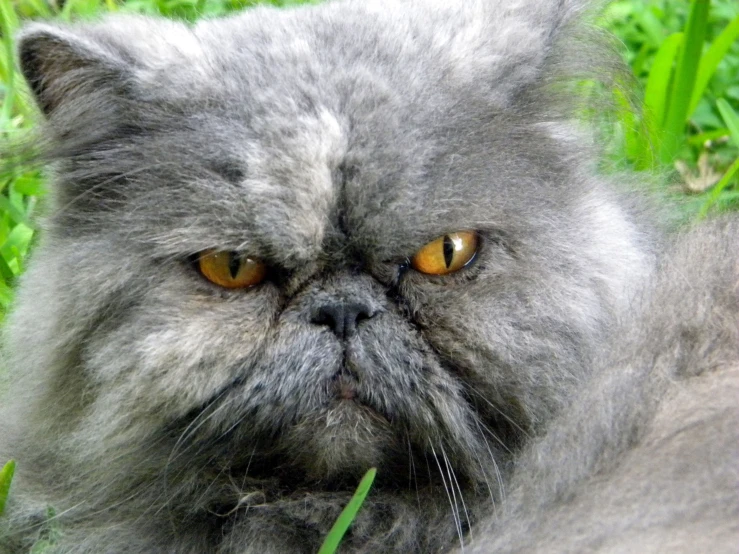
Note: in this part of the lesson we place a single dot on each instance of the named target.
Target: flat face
(277, 137)
(299, 244)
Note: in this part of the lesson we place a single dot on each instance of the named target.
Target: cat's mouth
(356, 414)
(346, 392)
(329, 450)
(345, 387)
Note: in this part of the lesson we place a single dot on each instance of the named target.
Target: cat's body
(158, 412)
(647, 460)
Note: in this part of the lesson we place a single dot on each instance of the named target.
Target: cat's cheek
(178, 356)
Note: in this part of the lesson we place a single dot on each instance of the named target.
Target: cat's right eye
(231, 270)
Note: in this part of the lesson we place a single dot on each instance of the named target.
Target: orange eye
(231, 270)
(446, 254)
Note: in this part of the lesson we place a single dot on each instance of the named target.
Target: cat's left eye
(230, 269)
(446, 254)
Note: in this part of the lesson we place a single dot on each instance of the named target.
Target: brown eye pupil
(234, 264)
(448, 251)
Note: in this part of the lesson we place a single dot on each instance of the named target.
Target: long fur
(538, 396)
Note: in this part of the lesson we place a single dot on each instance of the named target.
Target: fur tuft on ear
(106, 60)
(502, 45)
(59, 64)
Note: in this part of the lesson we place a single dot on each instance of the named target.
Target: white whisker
(452, 503)
(498, 476)
(453, 476)
(499, 411)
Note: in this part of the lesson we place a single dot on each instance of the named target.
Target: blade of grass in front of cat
(710, 60)
(331, 543)
(657, 92)
(35, 8)
(6, 476)
(683, 82)
(715, 192)
(633, 139)
(731, 119)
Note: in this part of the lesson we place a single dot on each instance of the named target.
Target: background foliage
(684, 55)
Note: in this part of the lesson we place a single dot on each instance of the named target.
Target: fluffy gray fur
(157, 412)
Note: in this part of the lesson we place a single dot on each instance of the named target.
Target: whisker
(453, 476)
(248, 465)
(195, 425)
(35, 526)
(499, 411)
(452, 503)
(212, 481)
(498, 476)
(412, 470)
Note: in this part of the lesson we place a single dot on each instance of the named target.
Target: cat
(289, 245)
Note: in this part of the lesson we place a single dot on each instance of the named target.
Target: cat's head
(423, 259)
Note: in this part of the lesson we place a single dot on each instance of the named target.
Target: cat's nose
(342, 317)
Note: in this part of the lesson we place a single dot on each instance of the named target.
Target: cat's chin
(346, 439)
(348, 424)
(329, 451)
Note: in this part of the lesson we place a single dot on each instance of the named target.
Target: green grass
(6, 476)
(19, 188)
(685, 56)
(344, 521)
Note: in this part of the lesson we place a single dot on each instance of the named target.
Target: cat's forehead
(341, 124)
(384, 123)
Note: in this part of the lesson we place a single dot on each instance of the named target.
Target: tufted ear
(98, 62)
(504, 45)
(527, 33)
(60, 64)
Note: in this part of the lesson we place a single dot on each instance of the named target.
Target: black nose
(342, 317)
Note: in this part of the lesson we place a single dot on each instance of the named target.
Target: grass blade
(715, 192)
(6, 476)
(710, 60)
(39, 8)
(656, 94)
(700, 139)
(8, 24)
(7, 207)
(731, 118)
(658, 83)
(331, 543)
(684, 80)
(634, 141)
(650, 23)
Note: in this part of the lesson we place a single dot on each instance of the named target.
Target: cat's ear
(512, 44)
(98, 62)
(60, 64)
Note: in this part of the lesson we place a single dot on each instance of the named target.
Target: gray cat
(288, 246)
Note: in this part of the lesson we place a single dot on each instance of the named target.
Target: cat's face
(329, 145)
